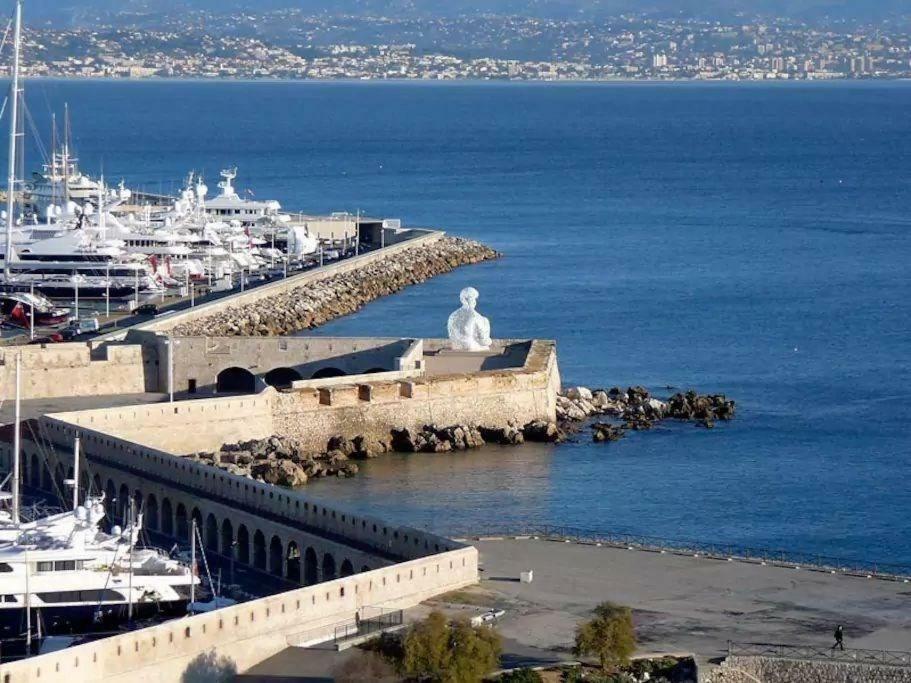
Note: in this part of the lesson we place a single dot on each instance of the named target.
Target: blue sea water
(746, 239)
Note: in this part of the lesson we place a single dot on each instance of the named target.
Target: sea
(747, 239)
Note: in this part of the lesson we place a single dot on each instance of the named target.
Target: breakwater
(319, 301)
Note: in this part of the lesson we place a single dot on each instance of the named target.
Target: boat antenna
(13, 135)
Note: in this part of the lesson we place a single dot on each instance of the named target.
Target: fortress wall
(285, 506)
(184, 426)
(487, 398)
(76, 369)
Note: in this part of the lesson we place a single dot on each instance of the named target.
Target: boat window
(9, 598)
(64, 565)
(45, 566)
(5, 568)
(97, 595)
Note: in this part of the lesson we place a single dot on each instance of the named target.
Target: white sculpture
(468, 329)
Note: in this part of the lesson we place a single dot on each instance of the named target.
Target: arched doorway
(235, 381)
(227, 538)
(325, 373)
(183, 523)
(328, 567)
(311, 567)
(276, 559)
(151, 512)
(281, 378)
(97, 489)
(46, 484)
(293, 567)
(211, 533)
(167, 517)
(243, 544)
(259, 550)
(347, 569)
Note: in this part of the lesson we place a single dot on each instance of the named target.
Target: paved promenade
(681, 604)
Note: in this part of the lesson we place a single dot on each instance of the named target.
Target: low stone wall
(773, 670)
(312, 299)
(76, 369)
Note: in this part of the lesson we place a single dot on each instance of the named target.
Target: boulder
(542, 431)
(602, 431)
(577, 393)
(340, 443)
(403, 441)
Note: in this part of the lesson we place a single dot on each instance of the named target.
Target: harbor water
(747, 239)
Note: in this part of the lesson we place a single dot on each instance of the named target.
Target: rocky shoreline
(316, 303)
(283, 461)
(635, 409)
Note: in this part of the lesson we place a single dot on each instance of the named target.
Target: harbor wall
(166, 322)
(77, 369)
(239, 637)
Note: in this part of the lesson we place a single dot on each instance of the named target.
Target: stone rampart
(76, 369)
(739, 669)
(491, 398)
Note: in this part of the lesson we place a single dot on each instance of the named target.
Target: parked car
(145, 309)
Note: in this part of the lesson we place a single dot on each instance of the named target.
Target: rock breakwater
(318, 302)
(635, 409)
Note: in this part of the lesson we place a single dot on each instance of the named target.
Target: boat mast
(66, 153)
(16, 441)
(130, 586)
(193, 562)
(76, 472)
(13, 135)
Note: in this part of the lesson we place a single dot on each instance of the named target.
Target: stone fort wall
(76, 369)
(772, 670)
(348, 406)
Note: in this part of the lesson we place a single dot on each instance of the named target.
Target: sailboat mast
(13, 134)
(16, 441)
(66, 153)
(76, 445)
(193, 562)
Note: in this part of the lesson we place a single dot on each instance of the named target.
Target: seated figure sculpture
(468, 329)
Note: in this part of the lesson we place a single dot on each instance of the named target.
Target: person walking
(839, 638)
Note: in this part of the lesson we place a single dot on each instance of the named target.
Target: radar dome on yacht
(88, 209)
(81, 513)
(71, 208)
(201, 190)
(116, 530)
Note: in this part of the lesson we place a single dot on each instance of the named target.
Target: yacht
(230, 206)
(67, 573)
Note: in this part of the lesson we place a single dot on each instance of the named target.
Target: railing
(820, 653)
(366, 627)
(717, 551)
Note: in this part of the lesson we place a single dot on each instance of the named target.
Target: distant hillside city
(293, 44)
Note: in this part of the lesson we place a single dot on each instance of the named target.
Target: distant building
(659, 61)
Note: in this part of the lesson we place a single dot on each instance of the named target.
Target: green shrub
(443, 652)
(609, 636)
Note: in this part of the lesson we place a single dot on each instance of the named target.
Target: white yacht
(73, 577)
(230, 206)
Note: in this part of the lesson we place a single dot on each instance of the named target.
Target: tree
(443, 652)
(610, 635)
(525, 675)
